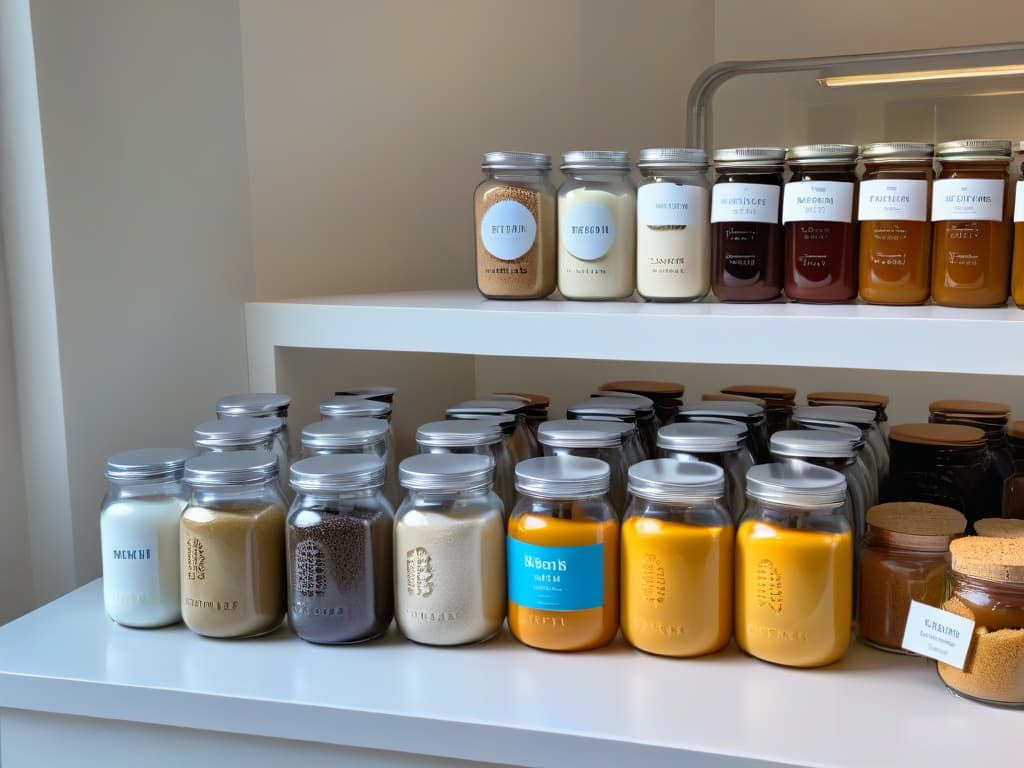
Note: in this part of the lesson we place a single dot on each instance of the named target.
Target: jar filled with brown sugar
(515, 226)
(903, 558)
(987, 586)
(971, 224)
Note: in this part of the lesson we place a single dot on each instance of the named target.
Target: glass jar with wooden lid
(1000, 527)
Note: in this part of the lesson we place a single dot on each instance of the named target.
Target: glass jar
(677, 546)
(596, 226)
(720, 444)
(641, 441)
(818, 207)
(673, 252)
(465, 436)
(534, 409)
(592, 439)
(903, 558)
(987, 585)
(794, 566)
(449, 551)
(515, 226)
(260, 405)
(139, 536)
(750, 415)
(871, 401)
(746, 233)
(971, 229)
(876, 448)
(1017, 287)
(358, 434)
(563, 555)
(944, 464)
(232, 545)
(778, 402)
(338, 540)
(1013, 491)
(522, 444)
(349, 406)
(667, 396)
(895, 233)
(245, 433)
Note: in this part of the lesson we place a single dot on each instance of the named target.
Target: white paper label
(818, 201)
(1018, 205)
(757, 203)
(508, 230)
(131, 566)
(938, 634)
(664, 204)
(967, 200)
(893, 200)
(588, 231)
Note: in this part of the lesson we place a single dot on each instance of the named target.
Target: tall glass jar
(139, 536)
(338, 541)
(260, 405)
(673, 252)
(596, 226)
(794, 566)
(1013, 491)
(563, 555)
(593, 439)
(358, 434)
(895, 233)
(746, 228)
(750, 415)
(818, 208)
(639, 412)
(1017, 286)
(522, 443)
(667, 396)
(515, 226)
(971, 230)
(232, 545)
(449, 551)
(778, 402)
(677, 564)
(245, 433)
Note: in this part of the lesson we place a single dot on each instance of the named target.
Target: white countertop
(501, 701)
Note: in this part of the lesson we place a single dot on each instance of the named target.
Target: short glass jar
(139, 522)
(449, 550)
(593, 439)
(673, 249)
(750, 415)
(1013, 491)
(794, 566)
(667, 396)
(818, 209)
(245, 433)
(746, 228)
(563, 555)
(987, 586)
(627, 410)
(895, 232)
(903, 558)
(338, 540)
(232, 545)
(260, 405)
(596, 226)
(514, 208)
(677, 559)
(778, 402)
(522, 444)
(1017, 282)
(464, 436)
(358, 434)
(971, 224)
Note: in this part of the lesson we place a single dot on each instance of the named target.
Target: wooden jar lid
(970, 408)
(989, 558)
(1000, 527)
(764, 391)
(952, 435)
(720, 397)
(656, 390)
(916, 524)
(858, 399)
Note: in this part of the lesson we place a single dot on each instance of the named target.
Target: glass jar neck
(433, 497)
(133, 489)
(604, 174)
(322, 496)
(690, 176)
(257, 492)
(517, 174)
(1011, 589)
(749, 170)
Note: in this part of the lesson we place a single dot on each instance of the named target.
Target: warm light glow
(883, 78)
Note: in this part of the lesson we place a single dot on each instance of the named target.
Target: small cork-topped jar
(987, 586)
(1000, 527)
(903, 559)
(778, 402)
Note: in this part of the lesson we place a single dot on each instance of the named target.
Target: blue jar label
(555, 578)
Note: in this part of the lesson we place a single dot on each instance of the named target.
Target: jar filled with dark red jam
(746, 231)
(821, 232)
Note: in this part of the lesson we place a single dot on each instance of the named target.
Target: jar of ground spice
(903, 559)
(987, 586)
(515, 226)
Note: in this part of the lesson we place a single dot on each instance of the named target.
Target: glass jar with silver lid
(751, 415)
(521, 443)
(596, 226)
(358, 434)
(876, 454)
(259, 405)
(382, 392)
(347, 406)
(463, 436)
(647, 420)
(625, 409)
(244, 433)
(868, 478)
(593, 439)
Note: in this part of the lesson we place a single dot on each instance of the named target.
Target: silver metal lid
(236, 431)
(483, 407)
(446, 472)
(640, 403)
(619, 407)
(822, 153)
(673, 157)
(847, 414)
(974, 149)
(671, 480)
(586, 433)
(701, 437)
(850, 431)
(507, 422)
(595, 160)
(344, 433)
(729, 409)
(353, 405)
(812, 444)
(562, 477)
(459, 433)
(752, 156)
(898, 150)
(254, 404)
(732, 422)
(231, 468)
(796, 485)
(516, 161)
(337, 472)
(149, 464)
(385, 393)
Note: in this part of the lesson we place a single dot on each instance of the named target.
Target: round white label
(588, 231)
(508, 230)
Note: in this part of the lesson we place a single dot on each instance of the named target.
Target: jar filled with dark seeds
(339, 537)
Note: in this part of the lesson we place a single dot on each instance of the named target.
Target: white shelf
(927, 338)
(499, 701)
